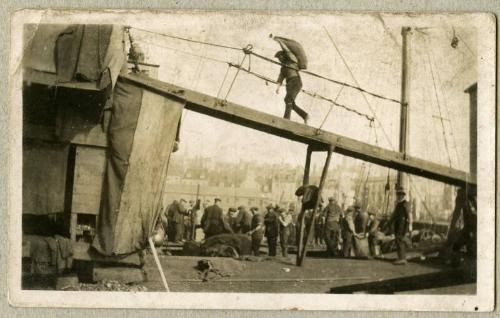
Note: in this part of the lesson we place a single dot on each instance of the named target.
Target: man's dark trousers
(179, 231)
(272, 243)
(284, 236)
(293, 87)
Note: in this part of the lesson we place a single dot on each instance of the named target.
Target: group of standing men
(342, 230)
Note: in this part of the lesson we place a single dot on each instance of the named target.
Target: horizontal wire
(312, 94)
(267, 79)
(189, 40)
(327, 79)
(249, 51)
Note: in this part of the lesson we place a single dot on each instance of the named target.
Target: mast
(402, 178)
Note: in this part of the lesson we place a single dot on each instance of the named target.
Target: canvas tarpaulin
(86, 56)
(142, 132)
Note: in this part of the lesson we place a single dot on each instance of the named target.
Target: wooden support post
(402, 178)
(302, 255)
(300, 218)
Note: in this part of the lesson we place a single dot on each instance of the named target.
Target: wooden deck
(280, 275)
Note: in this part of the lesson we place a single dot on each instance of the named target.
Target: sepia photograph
(316, 157)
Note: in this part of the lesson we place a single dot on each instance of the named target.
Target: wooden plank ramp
(319, 139)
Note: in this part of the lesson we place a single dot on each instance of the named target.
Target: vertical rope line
(235, 76)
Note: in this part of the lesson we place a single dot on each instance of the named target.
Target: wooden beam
(317, 138)
(302, 254)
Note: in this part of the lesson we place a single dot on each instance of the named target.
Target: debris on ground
(207, 271)
(107, 285)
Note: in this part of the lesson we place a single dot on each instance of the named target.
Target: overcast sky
(371, 46)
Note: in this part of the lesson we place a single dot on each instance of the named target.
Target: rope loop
(248, 49)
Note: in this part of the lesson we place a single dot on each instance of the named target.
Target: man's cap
(281, 210)
(241, 207)
(217, 200)
(182, 200)
(254, 208)
(357, 205)
(232, 209)
(270, 206)
(331, 199)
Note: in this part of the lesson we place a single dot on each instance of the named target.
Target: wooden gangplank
(319, 139)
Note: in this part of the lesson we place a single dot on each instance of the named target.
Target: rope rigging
(312, 94)
(249, 50)
(260, 76)
(356, 81)
(438, 105)
(451, 132)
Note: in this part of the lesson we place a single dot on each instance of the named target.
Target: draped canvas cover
(86, 56)
(141, 134)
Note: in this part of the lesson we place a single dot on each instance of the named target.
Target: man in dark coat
(176, 213)
(361, 218)
(289, 71)
(244, 219)
(332, 213)
(213, 220)
(348, 232)
(272, 229)
(400, 220)
(285, 223)
(373, 232)
(257, 230)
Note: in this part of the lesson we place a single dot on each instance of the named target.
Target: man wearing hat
(213, 220)
(289, 71)
(272, 229)
(285, 219)
(332, 213)
(400, 219)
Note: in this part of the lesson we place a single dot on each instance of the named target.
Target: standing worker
(213, 220)
(244, 219)
(257, 230)
(332, 214)
(285, 219)
(272, 229)
(401, 222)
(374, 235)
(348, 232)
(290, 72)
(176, 212)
